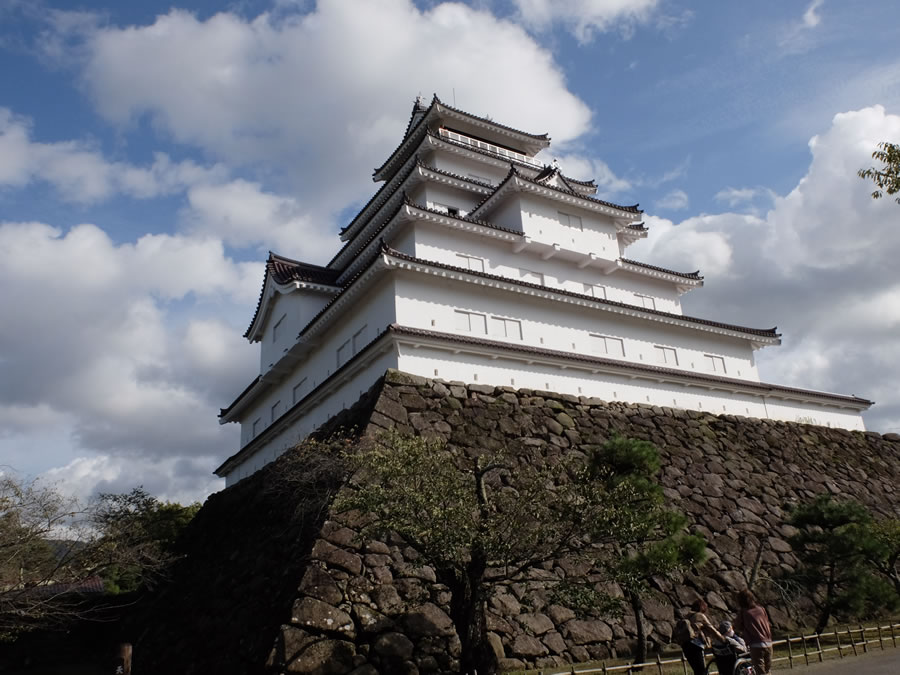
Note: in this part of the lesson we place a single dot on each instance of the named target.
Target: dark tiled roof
(638, 226)
(686, 275)
(573, 356)
(514, 173)
(383, 197)
(284, 270)
(762, 332)
(225, 411)
(539, 137)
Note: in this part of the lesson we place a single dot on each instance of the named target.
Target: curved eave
(683, 281)
(534, 143)
(516, 183)
(597, 364)
(407, 213)
(266, 301)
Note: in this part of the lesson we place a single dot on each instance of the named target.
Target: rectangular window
(666, 355)
(299, 390)
(609, 346)
(509, 328)
(569, 220)
(714, 364)
(276, 329)
(531, 277)
(471, 322)
(470, 262)
(596, 290)
(343, 353)
(257, 424)
(645, 301)
(446, 208)
(276, 411)
(359, 339)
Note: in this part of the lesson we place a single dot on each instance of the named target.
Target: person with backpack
(752, 623)
(694, 633)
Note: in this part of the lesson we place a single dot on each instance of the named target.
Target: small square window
(666, 355)
(359, 339)
(645, 301)
(714, 364)
(276, 411)
(277, 328)
(343, 353)
(595, 290)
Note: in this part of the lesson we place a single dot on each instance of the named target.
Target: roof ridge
(690, 275)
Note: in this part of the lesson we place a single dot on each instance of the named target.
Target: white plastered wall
(463, 166)
(290, 312)
(431, 303)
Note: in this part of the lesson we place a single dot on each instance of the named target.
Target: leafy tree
(887, 178)
(656, 545)
(51, 547)
(885, 554)
(834, 541)
(144, 527)
(483, 520)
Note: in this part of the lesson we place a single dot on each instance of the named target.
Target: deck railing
(495, 149)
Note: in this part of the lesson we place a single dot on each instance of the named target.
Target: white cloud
(584, 18)
(584, 168)
(105, 342)
(675, 200)
(797, 36)
(244, 90)
(80, 173)
(811, 18)
(821, 264)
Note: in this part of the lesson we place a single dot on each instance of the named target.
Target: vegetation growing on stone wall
(488, 518)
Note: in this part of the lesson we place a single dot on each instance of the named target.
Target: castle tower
(475, 261)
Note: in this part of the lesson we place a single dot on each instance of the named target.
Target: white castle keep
(476, 262)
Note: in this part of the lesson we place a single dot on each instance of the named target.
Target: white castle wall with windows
(475, 262)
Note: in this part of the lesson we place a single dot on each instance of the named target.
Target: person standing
(703, 633)
(752, 623)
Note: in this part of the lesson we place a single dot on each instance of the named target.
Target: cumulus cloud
(243, 90)
(675, 200)
(585, 18)
(821, 264)
(100, 346)
(80, 173)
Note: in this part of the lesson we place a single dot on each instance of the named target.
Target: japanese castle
(475, 261)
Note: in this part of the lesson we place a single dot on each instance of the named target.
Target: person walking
(752, 623)
(702, 632)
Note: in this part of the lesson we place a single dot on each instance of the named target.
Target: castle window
(569, 220)
(645, 301)
(666, 355)
(714, 364)
(343, 353)
(610, 346)
(470, 262)
(510, 328)
(276, 411)
(445, 208)
(299, 390)
(596, 290)
(359, 339)
(531, 277)
(257, 424)
(471, 322)
(276, 328)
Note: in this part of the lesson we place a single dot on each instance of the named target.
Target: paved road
(873, 663)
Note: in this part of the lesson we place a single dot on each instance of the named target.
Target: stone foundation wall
(371, 607)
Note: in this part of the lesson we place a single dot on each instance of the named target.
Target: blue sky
(151, 153)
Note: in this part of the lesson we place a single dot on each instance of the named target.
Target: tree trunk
(467, 599)
(825, 614)
(637, 606)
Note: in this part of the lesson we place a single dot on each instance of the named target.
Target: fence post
(805, 648)
(852, 642)
(604, 668)
(880, 638)
(684, 663)
(893, 634)
(658, 664)
(838, 640)
(790, 653)
(865, 640)
(819, 648)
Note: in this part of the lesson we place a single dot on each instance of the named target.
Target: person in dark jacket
(752, 623)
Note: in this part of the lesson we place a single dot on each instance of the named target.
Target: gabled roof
(281, 270)
(418, 126)
(510, 183)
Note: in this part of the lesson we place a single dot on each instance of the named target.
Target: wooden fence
(795, 651)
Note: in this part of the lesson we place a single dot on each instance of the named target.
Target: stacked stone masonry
(367, 607)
